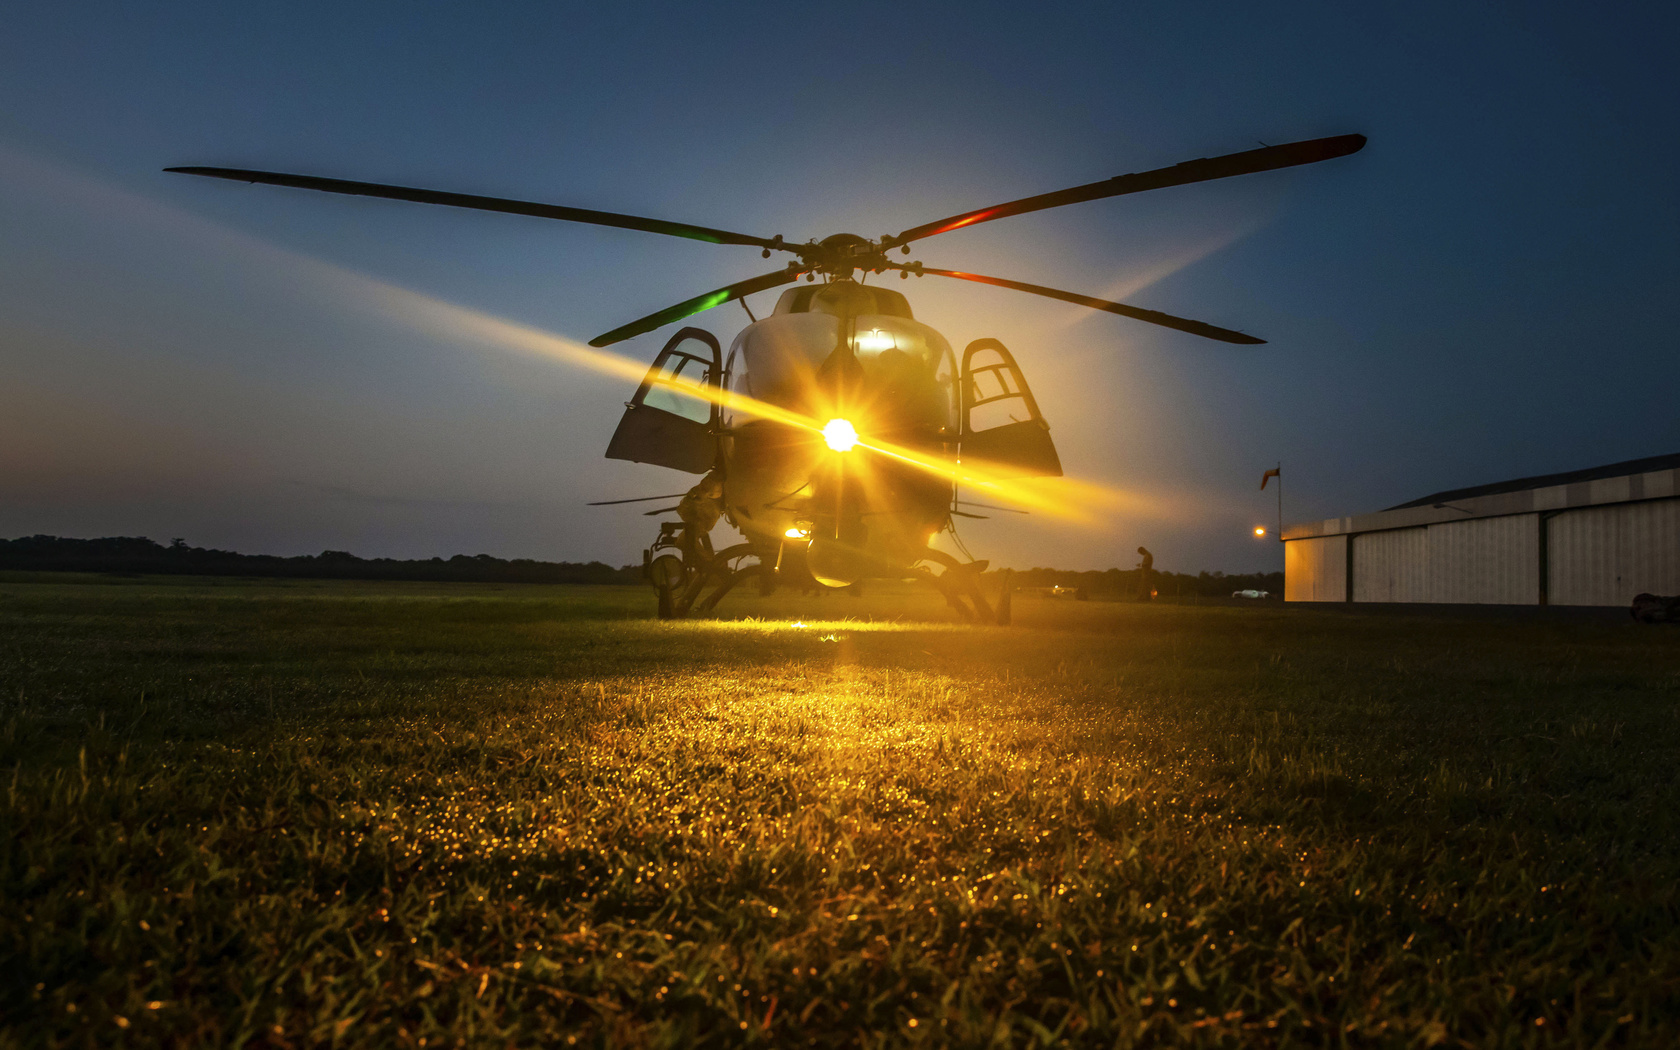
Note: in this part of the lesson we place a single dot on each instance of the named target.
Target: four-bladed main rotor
(839, 256)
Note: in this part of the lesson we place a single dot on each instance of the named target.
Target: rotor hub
(842, 253)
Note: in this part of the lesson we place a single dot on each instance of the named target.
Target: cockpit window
(684, 372)
(828, 298)
(906, 364)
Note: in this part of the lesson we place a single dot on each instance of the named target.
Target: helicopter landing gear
(960, 584)
(681, 565)
(677, 565)
(731, 566)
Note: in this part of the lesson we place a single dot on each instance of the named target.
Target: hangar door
(1606, 555)
(1391, 566)
(1315, 570)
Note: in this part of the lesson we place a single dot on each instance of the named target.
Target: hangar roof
(1655, 477)
(1609, 470)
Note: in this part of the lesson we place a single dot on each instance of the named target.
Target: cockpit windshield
(904, 364)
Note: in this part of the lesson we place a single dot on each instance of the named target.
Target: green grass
(295, 814)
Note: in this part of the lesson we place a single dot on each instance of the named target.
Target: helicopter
(835, 432)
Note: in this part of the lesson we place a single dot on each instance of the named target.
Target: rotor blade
(1265, 159)
(966, 514)
(1201, 328)
(695, 305)
(468, 200)
(652, 513)
(987, 506)
(638, 499)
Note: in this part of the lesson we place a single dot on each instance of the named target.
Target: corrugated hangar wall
(1315, 570)
(1606, 555)
(1488, 561)
(1581, 541)
(1391, 566)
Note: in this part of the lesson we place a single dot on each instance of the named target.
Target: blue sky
(1486, 291)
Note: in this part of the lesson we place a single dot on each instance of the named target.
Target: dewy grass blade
(372, 814)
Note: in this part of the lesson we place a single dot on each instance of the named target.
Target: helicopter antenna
(988, 506)
(748, 309)
(638, 499)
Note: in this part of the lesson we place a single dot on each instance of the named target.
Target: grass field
(296, 814)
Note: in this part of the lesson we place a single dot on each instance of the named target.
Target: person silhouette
(1146, 575)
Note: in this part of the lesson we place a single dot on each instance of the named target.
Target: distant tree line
(1123, 583)
(137, 554)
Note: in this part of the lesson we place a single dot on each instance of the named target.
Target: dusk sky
(1487, 291)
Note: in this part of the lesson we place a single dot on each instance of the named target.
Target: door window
(679, 383)
(671, 420)
(1002, 429)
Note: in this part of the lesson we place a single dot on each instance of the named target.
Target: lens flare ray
(1065, 498)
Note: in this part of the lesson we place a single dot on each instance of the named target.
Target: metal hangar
(1586, 537)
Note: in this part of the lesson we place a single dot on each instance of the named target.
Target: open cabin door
(1002, 429)
(665, 424)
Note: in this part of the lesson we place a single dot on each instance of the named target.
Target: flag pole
(1275, 472)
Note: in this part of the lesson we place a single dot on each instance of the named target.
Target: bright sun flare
(840, 435)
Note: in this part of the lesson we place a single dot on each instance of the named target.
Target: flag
(1269, 475)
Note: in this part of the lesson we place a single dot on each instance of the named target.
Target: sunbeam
(1067, 499)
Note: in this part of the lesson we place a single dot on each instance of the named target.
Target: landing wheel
(667, 574)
